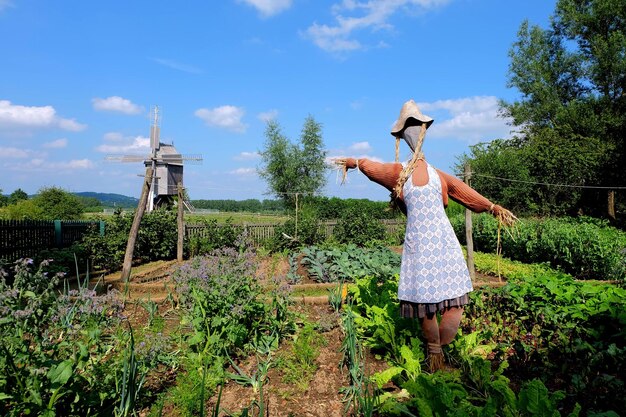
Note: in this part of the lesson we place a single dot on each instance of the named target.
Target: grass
(298, 363)
(237, 217)
(221, 217)
(313, 292)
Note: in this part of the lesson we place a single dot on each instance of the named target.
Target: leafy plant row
(75, 353)
(542, 345)
(343, 263)
(584, 247)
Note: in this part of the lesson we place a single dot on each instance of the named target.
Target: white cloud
(16, 153)
(113, 137)
(19, 117)
(56, 144)
(268, 115)
(41, 165)
(355, 150)
(138, 145)
(74, 164)
(243, 172)
(269, 8)
(227, 117)
(177, 65)
(362, 147)
(116, 104)
(247, 156)
(4, 4)
(361, 15)
(472, 119)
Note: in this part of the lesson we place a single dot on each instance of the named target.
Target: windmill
(163, 180)
(166, 164)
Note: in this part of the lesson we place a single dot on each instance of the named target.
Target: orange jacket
(386, 174)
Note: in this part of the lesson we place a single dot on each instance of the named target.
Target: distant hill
(111, 199)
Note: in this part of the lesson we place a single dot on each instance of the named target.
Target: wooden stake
(296, 216)
(181, 224)
(468, 230)
(134, 229)
(611, 204)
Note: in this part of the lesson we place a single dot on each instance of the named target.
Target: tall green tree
(17, 195)
(293, 170)
(571, 114)
(312, 156)
(58, 204)
(4, 200)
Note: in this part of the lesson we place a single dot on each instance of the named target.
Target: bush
(65, 260)
(359, 227)
(215, 236)
(286, 236)
(584, 247)
(58, 356)
(156, 239)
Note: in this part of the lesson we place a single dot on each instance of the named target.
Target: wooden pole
(468, 230)
(134, 229)
(611, 204)
(296, 216)
(181, 224)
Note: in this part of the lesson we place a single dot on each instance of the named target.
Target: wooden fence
(27, 238)
(261, 232)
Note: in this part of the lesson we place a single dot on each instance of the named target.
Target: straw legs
(440, 333)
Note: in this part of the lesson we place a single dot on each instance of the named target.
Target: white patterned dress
(433, 268)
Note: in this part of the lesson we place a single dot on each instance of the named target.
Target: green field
(236, 217)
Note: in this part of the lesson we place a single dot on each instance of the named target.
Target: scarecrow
(434, 279)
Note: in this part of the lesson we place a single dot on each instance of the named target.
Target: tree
(571, 116)
(291, 170)
(17, 195)
(312, 164)
(4, 200)
(58, 204)
(25, 210)
(501, 159)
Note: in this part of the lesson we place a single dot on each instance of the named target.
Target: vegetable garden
(228, 335)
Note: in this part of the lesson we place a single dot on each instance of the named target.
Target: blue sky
(77, 80)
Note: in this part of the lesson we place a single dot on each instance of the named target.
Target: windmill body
(167, 166)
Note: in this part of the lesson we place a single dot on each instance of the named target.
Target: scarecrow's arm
(385, 174)
(464, 194)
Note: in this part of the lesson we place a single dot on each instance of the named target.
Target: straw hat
(409, 110)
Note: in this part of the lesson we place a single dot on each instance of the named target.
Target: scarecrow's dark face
(410, 134)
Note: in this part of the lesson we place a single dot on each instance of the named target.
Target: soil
(322, 398)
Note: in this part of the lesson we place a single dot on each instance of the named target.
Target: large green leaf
(60, 373)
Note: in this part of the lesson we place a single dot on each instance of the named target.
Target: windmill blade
(155, 130)
(126, 158)
(192, 159)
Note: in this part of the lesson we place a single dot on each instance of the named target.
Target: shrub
(156, 239)
(287, 236)
(58, 356)
(219, 294)
(586, 248)
(214, 236)
(359, 227)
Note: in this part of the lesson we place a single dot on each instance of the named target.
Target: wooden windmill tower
(166, 164)
(163, 181)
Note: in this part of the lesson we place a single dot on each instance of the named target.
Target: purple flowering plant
(59, 352)
(220, 296)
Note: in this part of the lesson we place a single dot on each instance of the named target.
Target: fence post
(468, 230)
(181, 223)
(102, 228)
(58, 240)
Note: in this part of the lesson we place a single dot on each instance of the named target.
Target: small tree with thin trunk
(291, 169)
